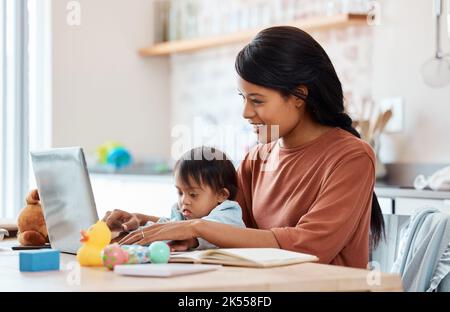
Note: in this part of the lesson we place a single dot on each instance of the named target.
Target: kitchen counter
(399, 182)
(392, 191)
(139, 169)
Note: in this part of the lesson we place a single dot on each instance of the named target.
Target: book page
(260, 255)
(257, 257)
(188, 255)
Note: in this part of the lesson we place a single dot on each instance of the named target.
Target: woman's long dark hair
(284, 58)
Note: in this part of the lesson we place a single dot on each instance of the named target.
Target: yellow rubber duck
(97, 237)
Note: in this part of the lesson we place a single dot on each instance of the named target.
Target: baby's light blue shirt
(228, 212)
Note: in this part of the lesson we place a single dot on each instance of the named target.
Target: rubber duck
(94, 240)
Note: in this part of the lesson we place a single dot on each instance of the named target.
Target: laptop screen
(66, 195)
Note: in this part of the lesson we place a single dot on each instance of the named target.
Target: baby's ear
(223, 195)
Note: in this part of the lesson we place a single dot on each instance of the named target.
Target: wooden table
(299, 277)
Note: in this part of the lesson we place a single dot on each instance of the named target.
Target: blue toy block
(39, 260)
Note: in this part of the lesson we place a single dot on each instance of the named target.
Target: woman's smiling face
(272, 115)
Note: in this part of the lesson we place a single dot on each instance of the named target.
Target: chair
(418, 249)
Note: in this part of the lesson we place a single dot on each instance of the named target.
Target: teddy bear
(31, 222)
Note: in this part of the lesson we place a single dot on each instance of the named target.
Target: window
(39, 82)
(24, 95)
(2, 71)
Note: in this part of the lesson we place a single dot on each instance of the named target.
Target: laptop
(66, 195)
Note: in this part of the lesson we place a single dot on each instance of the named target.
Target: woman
(317, 194)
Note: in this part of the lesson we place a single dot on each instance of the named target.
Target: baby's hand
(183, 245)
(119, 220)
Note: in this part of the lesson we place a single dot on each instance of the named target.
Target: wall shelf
(313, 23)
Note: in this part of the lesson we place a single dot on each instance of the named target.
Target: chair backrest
(421, 257)
(383, 256)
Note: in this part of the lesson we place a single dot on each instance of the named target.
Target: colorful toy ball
(137, 254)
(119, 157)
(113, 255)
(104, 149)
(114, 154)
(159, 252)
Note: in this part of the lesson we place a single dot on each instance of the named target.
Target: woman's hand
(182, 232)
(183, 245)
(119, 220)
(119, 237)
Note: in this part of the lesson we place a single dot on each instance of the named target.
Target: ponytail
(344, 121)
(377, 228)
(333, 115)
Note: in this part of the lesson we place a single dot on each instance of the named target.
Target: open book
(246, 257)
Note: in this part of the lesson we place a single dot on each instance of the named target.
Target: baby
(206, 182)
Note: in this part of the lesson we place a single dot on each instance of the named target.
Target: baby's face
(196, 201)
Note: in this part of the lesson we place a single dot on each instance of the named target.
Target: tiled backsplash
(205, 96)
(204, 87)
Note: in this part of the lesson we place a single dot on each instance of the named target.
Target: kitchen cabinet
(410, 206)
(148, 194)
(408, 201)
(386, 204)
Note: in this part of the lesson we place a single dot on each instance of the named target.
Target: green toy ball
(159, 252)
